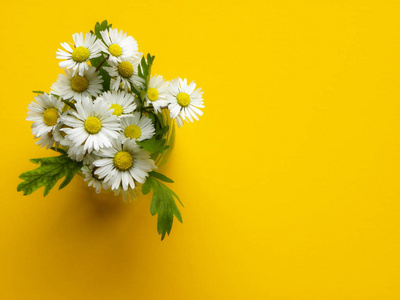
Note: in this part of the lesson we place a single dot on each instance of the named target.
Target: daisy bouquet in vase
(111, 121)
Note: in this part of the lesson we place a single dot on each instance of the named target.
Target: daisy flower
(92, 125)
(77, 57)
(76, 87)
(157, 92)
(45, 114)
(136, 127)
(93, 179)
(123, 164)
(185, 101)
(124, 74)
(121, 102)
(118, 45)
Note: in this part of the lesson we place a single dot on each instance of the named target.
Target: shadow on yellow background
(290, 180)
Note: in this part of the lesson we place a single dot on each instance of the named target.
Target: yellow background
(290, 181)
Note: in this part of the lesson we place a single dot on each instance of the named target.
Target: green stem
(104, 60)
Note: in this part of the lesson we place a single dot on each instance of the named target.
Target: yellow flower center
(115, 50)
(152, 94)
(92, 125)
(50, 116)
(183, 99)
(117, 109)
(125, 69)
(133, 132)
(80, 54)
(123, 160)
(79, 84)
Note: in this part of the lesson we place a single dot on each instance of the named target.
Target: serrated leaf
(51, 170)
(101, 27)
(163, 204)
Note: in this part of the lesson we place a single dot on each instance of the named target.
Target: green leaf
(106, 79)
(163, 204)
(143, 64)
(153, 145)
(38, 92)
(163, 130)
(95, 62)
(144, 68)
(160, 177)
(146, 188)
(142, 94)
(51, 170)
(101, 27)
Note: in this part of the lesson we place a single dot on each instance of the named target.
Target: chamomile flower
(157, 92)
(78, 86)
(123, 164)
(118, 45)
(124, 74)
(93, 179)
(84, 49)
(185, 101)
(92, 125)
(121, 102)
(45, 114)
(136, 127)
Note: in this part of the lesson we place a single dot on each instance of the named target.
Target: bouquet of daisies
(110, 121)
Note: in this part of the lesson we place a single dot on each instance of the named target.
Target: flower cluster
(109, 116)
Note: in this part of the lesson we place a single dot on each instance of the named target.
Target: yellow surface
(290, 181)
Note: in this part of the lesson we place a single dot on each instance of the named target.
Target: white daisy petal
(77, 57)
(78, 86)
(45, 114)
(184, 101)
